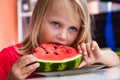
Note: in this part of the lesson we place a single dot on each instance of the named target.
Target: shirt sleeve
(5, 64)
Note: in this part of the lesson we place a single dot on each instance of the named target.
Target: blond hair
(41, 10)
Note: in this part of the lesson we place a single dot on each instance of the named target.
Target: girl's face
(61, 25)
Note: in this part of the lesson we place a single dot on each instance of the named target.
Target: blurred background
(15, 16)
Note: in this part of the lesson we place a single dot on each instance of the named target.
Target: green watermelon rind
(68, 64)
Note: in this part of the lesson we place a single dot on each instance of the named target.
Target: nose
(62, 35)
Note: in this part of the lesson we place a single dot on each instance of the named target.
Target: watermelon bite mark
(54, 57)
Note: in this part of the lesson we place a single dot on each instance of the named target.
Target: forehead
(66, 9)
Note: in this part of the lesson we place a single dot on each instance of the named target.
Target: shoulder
(10, 51)
(10, 48)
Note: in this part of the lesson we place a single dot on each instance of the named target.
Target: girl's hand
(91, 52)
(23, 68)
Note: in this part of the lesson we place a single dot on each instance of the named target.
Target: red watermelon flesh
(55, 52)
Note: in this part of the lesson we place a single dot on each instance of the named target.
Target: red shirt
(8, 57)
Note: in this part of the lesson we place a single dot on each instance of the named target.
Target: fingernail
(37, 64)
(85, 52)
(35, 58)
(92, 48)
(31, 55)
(80, 51)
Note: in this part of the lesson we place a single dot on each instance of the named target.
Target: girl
(66, 22)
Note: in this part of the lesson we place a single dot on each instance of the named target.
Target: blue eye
(55, 24)
(73, 29)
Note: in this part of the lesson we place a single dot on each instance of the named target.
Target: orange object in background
(8, 23)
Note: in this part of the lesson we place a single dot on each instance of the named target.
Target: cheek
(48, 34)
(71, 39)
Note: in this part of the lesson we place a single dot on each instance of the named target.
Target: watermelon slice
(56, 57)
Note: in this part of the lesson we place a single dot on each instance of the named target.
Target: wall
(8, 23)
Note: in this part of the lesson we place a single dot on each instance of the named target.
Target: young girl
(66, 22)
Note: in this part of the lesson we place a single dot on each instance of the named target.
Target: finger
(85, 53)
(25, 60)
(79, 49)
(27, 74)
(83, 48)
(87, 60)
(88, 48)
(82, 64)
(30, 68)
(21, 74)
(24, 76)
(94, 45)
(97, 51)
